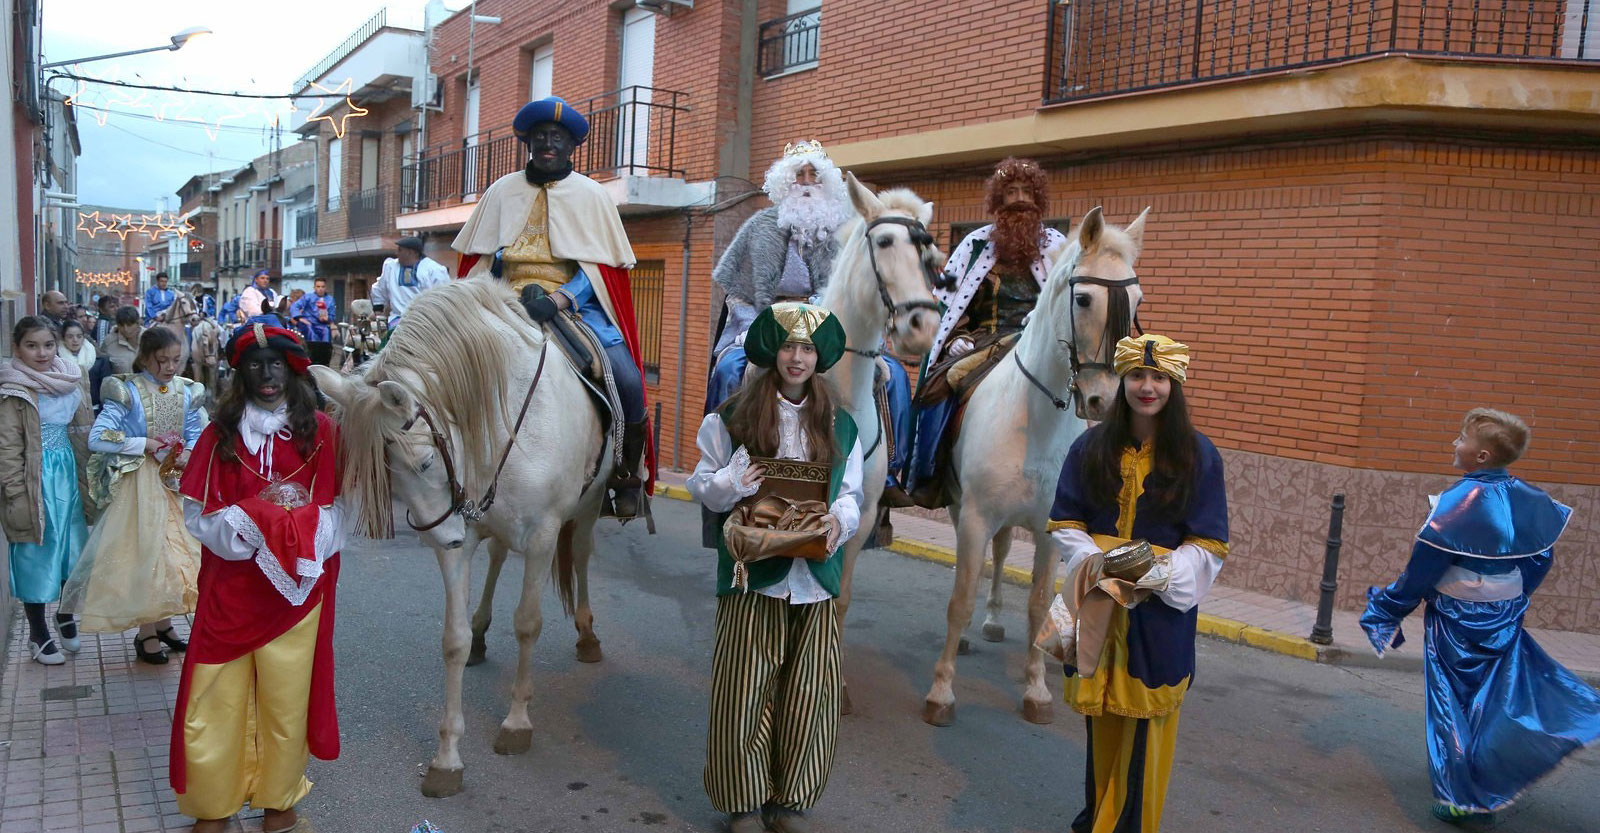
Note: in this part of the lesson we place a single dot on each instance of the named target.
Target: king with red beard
(991, 282)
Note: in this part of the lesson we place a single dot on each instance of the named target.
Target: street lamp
(178, 42)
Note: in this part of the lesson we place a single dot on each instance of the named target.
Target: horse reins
(921, 239)
(1076, 364)
(459, 503)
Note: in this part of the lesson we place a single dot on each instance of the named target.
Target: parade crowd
(178, 459)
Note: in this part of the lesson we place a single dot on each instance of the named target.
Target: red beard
(1016, 237)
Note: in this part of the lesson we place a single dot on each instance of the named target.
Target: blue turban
(551, 109)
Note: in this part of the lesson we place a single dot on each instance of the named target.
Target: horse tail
(564, 572)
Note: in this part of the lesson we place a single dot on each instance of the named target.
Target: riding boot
(626, 480)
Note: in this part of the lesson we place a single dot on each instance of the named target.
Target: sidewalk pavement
(83, 746)
(1229, 613)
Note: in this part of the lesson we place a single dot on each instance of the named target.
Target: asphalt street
(1267, 743)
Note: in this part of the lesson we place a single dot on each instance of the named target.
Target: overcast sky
(133, 160)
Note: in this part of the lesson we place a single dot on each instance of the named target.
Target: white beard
(807, 213)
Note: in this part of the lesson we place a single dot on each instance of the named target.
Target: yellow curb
(1214, 626)
(674, 492)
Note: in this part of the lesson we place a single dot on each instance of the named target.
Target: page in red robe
(240, 609)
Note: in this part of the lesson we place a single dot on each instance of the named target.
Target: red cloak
(240, 609)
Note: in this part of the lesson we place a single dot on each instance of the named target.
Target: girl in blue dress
(44, 422)
(1501, 712)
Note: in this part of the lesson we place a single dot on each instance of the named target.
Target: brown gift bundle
(784, 519)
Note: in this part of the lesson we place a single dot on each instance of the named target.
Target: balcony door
(469, 156)
(635, 77)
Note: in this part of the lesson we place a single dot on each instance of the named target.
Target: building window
(369, 162)
(648, 279)
(335, 171)
(541, 73)
(789, 44)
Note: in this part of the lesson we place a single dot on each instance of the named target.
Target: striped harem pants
(774, 703)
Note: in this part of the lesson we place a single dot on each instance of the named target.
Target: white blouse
(716, 484)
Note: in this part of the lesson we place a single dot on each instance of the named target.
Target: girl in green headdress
(775, 668)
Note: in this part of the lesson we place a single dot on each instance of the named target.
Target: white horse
(1006, 473)
(205, 350)
(880, 288)
(434, 416)
(178, 318)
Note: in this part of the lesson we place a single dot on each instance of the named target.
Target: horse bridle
(473, 511)
(1077, 364)
(921, 239)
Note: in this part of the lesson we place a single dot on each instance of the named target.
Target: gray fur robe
(753, 263)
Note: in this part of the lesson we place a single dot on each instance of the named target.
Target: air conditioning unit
(666, 7)
(427, 94)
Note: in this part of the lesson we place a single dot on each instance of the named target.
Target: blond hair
(1503, 435)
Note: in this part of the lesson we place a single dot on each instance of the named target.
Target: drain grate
(67, 692)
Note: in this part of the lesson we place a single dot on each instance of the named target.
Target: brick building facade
(1365, 222)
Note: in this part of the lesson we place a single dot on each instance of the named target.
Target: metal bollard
(1322, 631)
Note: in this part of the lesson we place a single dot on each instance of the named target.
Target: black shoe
(171, 640)
(626, 483)
(156, 657)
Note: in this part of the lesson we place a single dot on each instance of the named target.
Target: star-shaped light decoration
(120, 225)
(323, 108)
(89, 222)
(214, 126)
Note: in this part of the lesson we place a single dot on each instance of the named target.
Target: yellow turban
(1155, 351)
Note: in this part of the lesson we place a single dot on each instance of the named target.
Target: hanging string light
(103, 97)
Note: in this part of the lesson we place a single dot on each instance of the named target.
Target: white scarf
(258, 426)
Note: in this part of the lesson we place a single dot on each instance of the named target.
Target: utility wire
(204, 125)
(167, 88)
(175, 147)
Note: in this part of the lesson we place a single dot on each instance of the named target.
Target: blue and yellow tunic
(1148, 660)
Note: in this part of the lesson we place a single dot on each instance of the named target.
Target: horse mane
(457, 370)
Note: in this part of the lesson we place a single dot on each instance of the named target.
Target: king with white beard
(782, 253)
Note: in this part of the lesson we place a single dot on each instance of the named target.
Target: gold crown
(802, 148)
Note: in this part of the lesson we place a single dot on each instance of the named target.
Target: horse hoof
(589, 650)
(513, 741)
(938, 714)
(845, 706)
(994, 632)
(964, 647)
(441, 783)
(1041, 713)
(480, 650)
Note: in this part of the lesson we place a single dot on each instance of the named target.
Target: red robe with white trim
(240, 609)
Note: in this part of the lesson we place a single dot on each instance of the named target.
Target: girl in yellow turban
(1144, 473)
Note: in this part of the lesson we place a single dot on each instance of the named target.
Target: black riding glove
(543, 310)
(497, 264)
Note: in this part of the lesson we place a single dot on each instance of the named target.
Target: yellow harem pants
(1126, 775)
(244, 734)
(774, 703)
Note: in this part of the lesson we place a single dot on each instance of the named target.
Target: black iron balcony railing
(1106, 47)
(305, 228)
(632, 132)
(789, 43)
(370, 211)
(262, 254)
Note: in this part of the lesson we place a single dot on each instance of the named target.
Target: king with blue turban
(556, 237)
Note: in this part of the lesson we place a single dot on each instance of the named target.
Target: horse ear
(925, 214)
(1089, 230)
(397, 401)
(332, 384)
(866, 202)
(1135, 230)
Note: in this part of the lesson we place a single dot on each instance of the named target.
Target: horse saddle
(960, 376)
(588, 358)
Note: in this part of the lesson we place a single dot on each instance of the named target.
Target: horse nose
(1094, 404)
(916, 320)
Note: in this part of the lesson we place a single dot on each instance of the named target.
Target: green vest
(771, 571)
